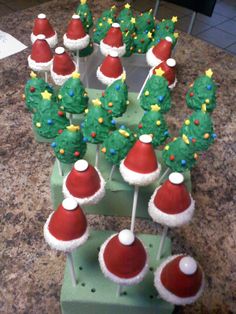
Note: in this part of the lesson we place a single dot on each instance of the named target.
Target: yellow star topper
(33, 75)
(83, 1)
(46, 95)
(149, 34)
(159, 72)
(127, 6)
(176, 35)
(133, 20)
(155, 108)
(73, 128)
(174, 19)
(96, 102)
(209, 73)
(109, 21)
(204, 108)
(75, 75)
(185, 139)
(123, 76)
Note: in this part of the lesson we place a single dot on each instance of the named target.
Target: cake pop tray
(95, 294)
(119, 194)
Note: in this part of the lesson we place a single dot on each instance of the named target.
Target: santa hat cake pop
(169, 68)
(160, 52)
(111, 69)
(171, 204)
(41, 55)
(66, 228)
(179, 280)
(140, 167)
(62, 66)
(123, 259)
(85, 183)
(43, 26)
(113, 41)
(75, 37)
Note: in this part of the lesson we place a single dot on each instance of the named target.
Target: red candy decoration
(109, 111)
(172, 157)
(77, 154)
(196, 122)
(93, 134)
(60, 131)
(194, 140)
(140, 126)
(191, 94)
(60, 113)
(32, 89)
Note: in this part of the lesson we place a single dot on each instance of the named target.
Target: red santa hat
(171, 204)
(41, 55)
(111, 69)
(75, 37)
(123, 259)
(62, 66)
(179, 280)
(66, 228)
(169, 68)
(43, 26)
(113, 41)
(85, 183)
(160, 52)
(140, 167)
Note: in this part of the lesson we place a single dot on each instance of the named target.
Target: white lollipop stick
(165, 173)
(112, 172)
(86, 72)
(77, 59)
(163, 236)
(46, 76)
(119, 290)
(71, 268)
(97, 156)
(135, 201)
(71, 118)
(145, 82)
(59, 168)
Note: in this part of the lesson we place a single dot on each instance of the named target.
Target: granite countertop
(31, 273)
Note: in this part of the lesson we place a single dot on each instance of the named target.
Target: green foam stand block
(119, 194)
(95, 294)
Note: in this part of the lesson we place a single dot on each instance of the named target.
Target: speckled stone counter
(31, 273)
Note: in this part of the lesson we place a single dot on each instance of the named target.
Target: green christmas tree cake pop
(117, 144)
(166, 26)
(101, 28)
(141, 42)
(85, 15)
(49, 120)
(128, 40)
(156, 92)
(115, 98)
(153, 123)
(126, 20)
(199, 129)
(126, 12)
(72, 95)
(178, 155)
(33, 89)
(145, 22)
(97, 124)
(202, 93)
(69, 145)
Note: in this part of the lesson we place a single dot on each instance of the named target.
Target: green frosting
(100, 30)
(72, 96)
(202, 95)
(127, 26)
(115, 98)
(86, 51)
(179, 156)
(129, 42)
(117, 144)
(69, 145)
(49, 120)
(85, 14)
(145, 22)
(141, 43)
(125, 13)
(153, 123)
(156, 92)
(165, 26)
(109, 14)
(97, 124)
(199, 129)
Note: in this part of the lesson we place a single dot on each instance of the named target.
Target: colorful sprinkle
(61, 151)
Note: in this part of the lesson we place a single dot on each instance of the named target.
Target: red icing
(42, 26)
(172, 198)
(63, 64)
(67, 225)
(32, 89)
(163, 50)
(83, 184)
(124, 261)
(41, 51)
(114, 37)
(183, 286)
(169, 74)
(111, 67)
(141, 158)
(75, 29)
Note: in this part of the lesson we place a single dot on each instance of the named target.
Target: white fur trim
(61, 79)
(52, 41)
(152, 60)
(107, 80)
(106, 49)
(39, 66)
(76, 44)
(140, 179)
(176, 220)
(91, 200)
(60, 245)
(169, 296)
(122, 281)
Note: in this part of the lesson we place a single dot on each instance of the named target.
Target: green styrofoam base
(95, 294)
(119, 195)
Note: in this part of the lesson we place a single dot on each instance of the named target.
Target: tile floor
(219, 29)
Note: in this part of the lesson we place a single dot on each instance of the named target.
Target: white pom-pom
(171, 62)
(75, 17)
(145, 138)
(69, 203)
(115, 25)
(113, 53)
(59, 50)
(81, 165)
(126, 237)
(42, 16)
(176, 178)
(41, 36)
(188, 265)
(168, 38)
